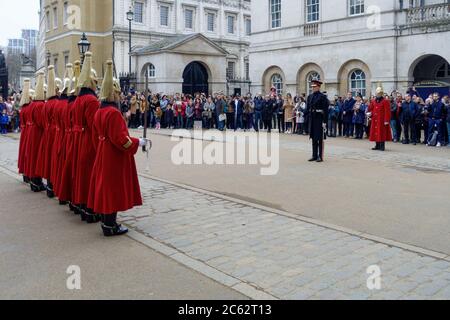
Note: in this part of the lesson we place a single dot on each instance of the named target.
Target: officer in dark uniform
(317, 110)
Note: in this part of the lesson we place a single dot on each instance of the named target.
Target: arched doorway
(195, 79)
(431, 74)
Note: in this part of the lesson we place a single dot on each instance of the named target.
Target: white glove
(142, 142)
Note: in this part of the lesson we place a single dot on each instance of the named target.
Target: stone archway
(345, 72)
(303, 73)
(430, 73)
(268, 76)
(195, 78)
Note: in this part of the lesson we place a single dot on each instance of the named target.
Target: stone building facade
(351, 45)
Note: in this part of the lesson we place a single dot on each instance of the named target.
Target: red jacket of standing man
(57, 162)
(114, 182)
(87, 105)
(24, 102)
(380, 130)
(35, 131)
(65, 187)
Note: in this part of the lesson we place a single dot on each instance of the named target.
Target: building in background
(31, 37)
(17, 46)
(217, 32)
(351, 45)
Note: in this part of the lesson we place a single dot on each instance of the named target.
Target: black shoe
(92, 218)
(50, 193)
(62, 203)
(312, 159)
(26, 179)
(382, 147)
(71, 207)
(319, 160)
(117, 230)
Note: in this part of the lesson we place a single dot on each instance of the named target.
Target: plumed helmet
(88, 76)
(39, 93)
(51, 89)
(25, 98)
(379, 89)
(68, 75)
(110, 86)
(76, 75)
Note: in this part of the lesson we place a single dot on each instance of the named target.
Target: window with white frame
(248, 26)
(443, 71)
(138, 12)
(247, 70)
(275, 13)
(358, 82)
(312, 10)
(356, 7)
(277, 83)
(47, 27)
(164, 16)
(312, 76)
(189, 19)
(231, 70)
(151, 71)
(211, 21)
(55, 18)
(230, 24)
(66, 59)
(65, 13)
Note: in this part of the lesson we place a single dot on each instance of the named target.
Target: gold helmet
(379, 90)
(88, 76)
(25, 98)
(74, 81)
(39, 94)
(58, 85)
(51, 87)
(110, 86)
(68, 75)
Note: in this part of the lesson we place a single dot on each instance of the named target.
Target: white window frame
(275, 14)
(356, 7)
(310, 15)
(248, 26)
(357, 81)
(166, 6)
(232, 18)
(231, 69)
(192, 10)
(213, 15)
(151, 71)
(48, 21)
(276, 81)
(55, 17)
(142, 12)
(65, 13)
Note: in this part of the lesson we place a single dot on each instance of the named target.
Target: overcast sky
(16, 15)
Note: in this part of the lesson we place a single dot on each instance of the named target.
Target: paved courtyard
(266, 252)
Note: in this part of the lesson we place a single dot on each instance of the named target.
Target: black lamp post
(48, 55)
(83, 47)
(130, 18)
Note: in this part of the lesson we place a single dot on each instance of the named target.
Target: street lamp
(130, 18)
(48, 55)
(83, 46)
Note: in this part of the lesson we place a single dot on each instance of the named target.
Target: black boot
(91, 217)
(49, 189)
(26, 179)
(377, 146)
(111, 228)
(71, 207)
(62, 203)
(382, 146)
(82, 212)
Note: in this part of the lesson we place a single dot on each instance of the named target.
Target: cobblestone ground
(282, 256)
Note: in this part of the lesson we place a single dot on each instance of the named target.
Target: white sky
(16, 15)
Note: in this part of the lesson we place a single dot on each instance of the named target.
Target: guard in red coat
(57, 161)
(380, 112)
(43, 166)
(114, 182)
(87, 105)
(65, 180)
(25, 100)
(35, 129)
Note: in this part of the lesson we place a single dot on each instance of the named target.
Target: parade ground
(361, 225)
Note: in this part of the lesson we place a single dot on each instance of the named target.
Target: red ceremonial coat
(56, 163)
(381, 114)
(87, 105)
(23, 138)
(34, 134)
(43, 165)
(114, 181)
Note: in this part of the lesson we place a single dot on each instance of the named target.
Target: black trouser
(110, 220)
(359, 130)
(230, 121)
(347, 127)
(268, 124)
(317, 147)
(280, 122)
(340, 124)
(409, 127)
